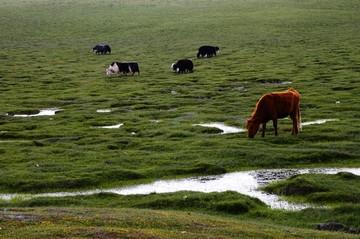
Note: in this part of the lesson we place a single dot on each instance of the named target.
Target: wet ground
(231, 130)
(247, 183)
(224, 128)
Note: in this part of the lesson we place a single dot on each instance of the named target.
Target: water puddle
(223, 127)
(43, 112)
(320, 121)
(246, 183)
(116, 126)
(103, 111)
(232, 130)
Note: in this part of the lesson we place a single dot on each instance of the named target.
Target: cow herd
(272, 106)
(181, 66)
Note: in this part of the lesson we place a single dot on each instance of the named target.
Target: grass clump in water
(322, 189)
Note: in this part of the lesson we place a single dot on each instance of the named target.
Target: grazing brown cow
(275, 106)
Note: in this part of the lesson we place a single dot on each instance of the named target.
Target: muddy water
(247, 183)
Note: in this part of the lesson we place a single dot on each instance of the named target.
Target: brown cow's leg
(295, 129)
(263, 130)
(275, 126)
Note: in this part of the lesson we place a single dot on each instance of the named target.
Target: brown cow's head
(252, 126)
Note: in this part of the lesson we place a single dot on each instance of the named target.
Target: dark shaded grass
(184, 201)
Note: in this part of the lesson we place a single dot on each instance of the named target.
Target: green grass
(335, 197)
(46, 62)
(130, 223)
(320, 189)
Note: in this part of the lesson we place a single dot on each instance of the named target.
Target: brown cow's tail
(298, 116)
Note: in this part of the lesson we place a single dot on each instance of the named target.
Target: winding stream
(247, 182)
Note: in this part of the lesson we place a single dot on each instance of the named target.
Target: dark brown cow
(275, 106)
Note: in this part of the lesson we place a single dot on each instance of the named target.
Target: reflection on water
(247, 183)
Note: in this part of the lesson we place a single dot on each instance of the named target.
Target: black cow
(101, 49)
(207, 51)
(183, 66)
(123, 67)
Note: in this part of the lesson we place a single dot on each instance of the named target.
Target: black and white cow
(101, 49)
(207, 51)
(183, 66)
(123, 67)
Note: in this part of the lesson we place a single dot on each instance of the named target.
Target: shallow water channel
(247, 183)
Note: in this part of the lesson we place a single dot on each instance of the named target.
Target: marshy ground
(265, 46)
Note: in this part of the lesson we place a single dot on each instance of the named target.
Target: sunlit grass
(131, 223)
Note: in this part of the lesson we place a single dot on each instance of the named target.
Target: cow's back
(286, 103)
(276, 105)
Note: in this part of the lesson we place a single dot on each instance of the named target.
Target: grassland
(45, 62)
(129, 223)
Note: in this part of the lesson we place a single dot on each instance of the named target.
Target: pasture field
(265, 46)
